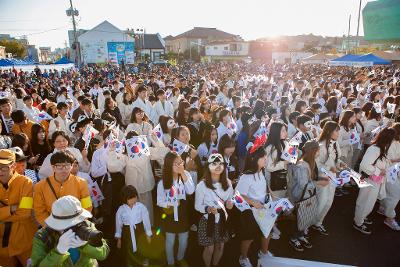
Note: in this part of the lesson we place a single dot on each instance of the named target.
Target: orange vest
(23, 226)
(43, 196)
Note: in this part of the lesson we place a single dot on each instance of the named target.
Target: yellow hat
(6, 156)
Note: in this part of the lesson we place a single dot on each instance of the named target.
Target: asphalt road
(344, 245)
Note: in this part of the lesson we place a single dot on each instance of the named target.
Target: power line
(34, 33)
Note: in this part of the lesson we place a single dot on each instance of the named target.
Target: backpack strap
(51, 187)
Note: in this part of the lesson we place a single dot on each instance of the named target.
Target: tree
(14, 47)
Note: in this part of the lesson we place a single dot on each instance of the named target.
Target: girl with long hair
(167, 123)
(196, 126)
(210, 144)
(276, 168)
(305, 178)
(373, 166)
(182, 115)
(253, 188)
(172, 191)
(212, 198)
(329, 159)
(346, 133)
(39, 144)
(139, 123)
(226, 147)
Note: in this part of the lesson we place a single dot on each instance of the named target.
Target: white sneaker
(245, 262)
(261, 254)
(392, 224)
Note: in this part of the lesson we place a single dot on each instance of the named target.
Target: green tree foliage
(14, 47)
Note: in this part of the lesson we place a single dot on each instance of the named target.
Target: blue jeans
(169, 246)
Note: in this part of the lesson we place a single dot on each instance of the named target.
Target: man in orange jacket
(17, 227)
(62, 183)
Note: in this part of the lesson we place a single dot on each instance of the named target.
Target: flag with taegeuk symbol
(89, 134)
(392, 173)
(239, 202)
(179, 147)
(290, 154)
(42, 116)
(158, 132)
(137, 147)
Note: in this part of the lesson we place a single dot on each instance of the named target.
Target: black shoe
(367, 221)
(363, 229)
(304, 242)
(338, 193)
(321, 229)
(296, 244)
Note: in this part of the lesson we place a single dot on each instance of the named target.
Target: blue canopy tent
(9, 62)
(63, 60)
(359, 60)
(374, 59)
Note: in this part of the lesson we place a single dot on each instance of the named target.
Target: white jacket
(327, 157)
(145, 106)
(167, 110)
(126, 112)
(138, 172)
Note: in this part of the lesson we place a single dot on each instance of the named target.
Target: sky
(45, 22)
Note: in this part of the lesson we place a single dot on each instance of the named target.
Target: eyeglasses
(178, 163)
(62, 166)
(5, 167)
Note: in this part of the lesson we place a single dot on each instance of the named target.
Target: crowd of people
(166, 150)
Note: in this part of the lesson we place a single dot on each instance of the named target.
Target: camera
(86, 233)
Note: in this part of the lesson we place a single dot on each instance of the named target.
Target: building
(72, 52)
(32, 53)
(289, 57)
(106, 43)
(197, 37)
(227, 51)
(2, 52)
(151, 46)
(44, 54)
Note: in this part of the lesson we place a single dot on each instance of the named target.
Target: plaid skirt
(220, 234)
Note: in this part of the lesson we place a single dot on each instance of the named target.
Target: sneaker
(245, 262)
(362, 228)
(321, 229)
(381, 211)
(193, 228)
(392, 224)
(183, 263)
(368, 221)
(304, 242)
(296, 245)
(261, 254)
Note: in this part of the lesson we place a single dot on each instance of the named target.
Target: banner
(118, 51)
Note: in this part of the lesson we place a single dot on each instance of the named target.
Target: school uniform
(274, 164)
(367, 196)
(174, 203)
(388, 205)
(129, 223)
(143, 128)
(138, 172)
(346, 148)
(253, 186)
(212, 228)
(327, 159)
(162, 108)
(205, 151)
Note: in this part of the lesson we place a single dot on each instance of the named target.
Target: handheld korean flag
(281, 205)
(137, 147)
(391, 108)
(290, 154)
(392, 173)
(42, 116)
(88, 134)
(354, 137)
(179, 147)
(378, 107)
(172, 200)
(158, 132)
(330, 175)
(95, 192)
(261, 130)
(376, 131)
(4, 94)
(296, 139)
(361, 183)
(239, 202)
(344, 177)
(232, 127)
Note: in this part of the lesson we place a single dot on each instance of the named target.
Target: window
(226, 48)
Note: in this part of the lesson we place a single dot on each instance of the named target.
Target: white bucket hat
(66, 212)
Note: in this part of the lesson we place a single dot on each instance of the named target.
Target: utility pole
(348, 34)
(71, 12)
(358, 22)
